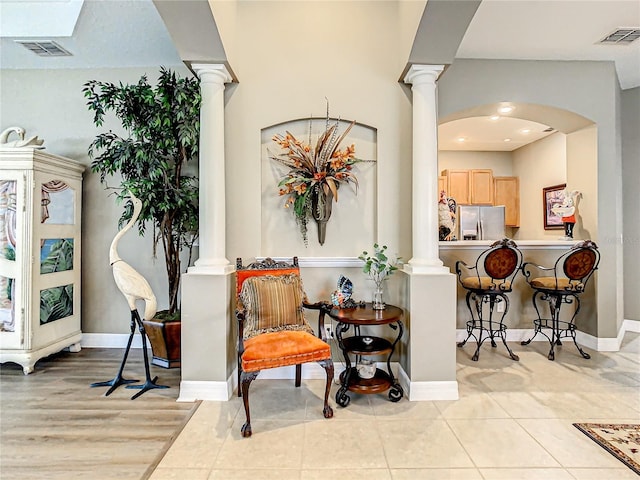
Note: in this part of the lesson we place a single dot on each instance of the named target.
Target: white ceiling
(555, 30)
(488, 133)
(122, 33)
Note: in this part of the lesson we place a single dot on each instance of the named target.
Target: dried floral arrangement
(315, 173)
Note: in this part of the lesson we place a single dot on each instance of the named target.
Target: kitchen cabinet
(481, 187)
(470, 187)
(40, 212)
(507, 193)
(458, 186)
(442, 185)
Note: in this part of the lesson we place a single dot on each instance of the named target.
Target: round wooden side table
(362, 345)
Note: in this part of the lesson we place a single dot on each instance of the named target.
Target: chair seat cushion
(549, 283)
(279, 349)
(485, 283)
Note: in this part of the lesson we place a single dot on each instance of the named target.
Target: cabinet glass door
(11, 257)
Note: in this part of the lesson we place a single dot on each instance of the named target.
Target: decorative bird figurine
(134, 287)
(31, 142)
(341, 298)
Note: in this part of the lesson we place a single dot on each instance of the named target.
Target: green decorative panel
(56, 255)
(56, 303)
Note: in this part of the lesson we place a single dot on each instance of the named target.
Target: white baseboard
(513, 335)
(599, 344)
(427, 391)
(193, 390)
(110, 340)
(631, 326)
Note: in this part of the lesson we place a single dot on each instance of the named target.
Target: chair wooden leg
(327, 364)
(298, 374)
(239, 376)
(246, 379)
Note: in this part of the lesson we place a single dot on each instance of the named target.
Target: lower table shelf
(380, 382)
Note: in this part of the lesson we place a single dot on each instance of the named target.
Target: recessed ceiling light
(507, 139)
(460, 139)
(505, 109)
(525, 131)
(494, 117)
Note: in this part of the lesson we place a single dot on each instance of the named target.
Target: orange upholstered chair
(562, 283)
(272, 329)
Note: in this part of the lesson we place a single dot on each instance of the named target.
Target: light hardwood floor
(54, 426)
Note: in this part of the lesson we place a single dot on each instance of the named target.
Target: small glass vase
(378, 300)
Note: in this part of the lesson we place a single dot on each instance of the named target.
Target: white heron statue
(134, 287)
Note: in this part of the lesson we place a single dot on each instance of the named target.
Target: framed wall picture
(550, 197)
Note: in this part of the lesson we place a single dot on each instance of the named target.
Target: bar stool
(488, 282)
(561, 284)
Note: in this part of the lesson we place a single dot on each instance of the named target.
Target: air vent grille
(621, 36)
(45, 48)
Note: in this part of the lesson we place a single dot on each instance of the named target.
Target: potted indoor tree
(163, 126)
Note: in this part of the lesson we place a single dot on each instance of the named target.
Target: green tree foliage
(163, 124)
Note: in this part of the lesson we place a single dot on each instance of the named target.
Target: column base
(435, 267)
(221, 268)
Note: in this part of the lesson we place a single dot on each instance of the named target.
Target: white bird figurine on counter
(31, 142)
(134, 287)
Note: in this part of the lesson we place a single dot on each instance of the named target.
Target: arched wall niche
(352, 226)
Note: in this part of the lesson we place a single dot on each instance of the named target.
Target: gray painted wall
(589, 89)
(50, 104)
(631, 200)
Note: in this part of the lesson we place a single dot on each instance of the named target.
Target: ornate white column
(425, 170)
(212, 178)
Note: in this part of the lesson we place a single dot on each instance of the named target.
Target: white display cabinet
(40, 212)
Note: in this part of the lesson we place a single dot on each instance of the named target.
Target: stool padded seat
(485, 283)
(552, 283)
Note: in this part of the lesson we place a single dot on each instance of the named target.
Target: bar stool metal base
(558, 328)
(487, 329)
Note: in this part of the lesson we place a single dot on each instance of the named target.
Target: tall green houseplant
(163, 127)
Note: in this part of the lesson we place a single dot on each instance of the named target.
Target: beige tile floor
(513, 422)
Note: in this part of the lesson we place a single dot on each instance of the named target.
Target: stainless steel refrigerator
(481, 223)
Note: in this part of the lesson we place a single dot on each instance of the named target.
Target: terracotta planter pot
(165, 342)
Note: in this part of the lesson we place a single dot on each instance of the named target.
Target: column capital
(423, 73)
(219, 71)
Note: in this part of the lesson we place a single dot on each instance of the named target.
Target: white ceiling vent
(622, 36)
(45, 48)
